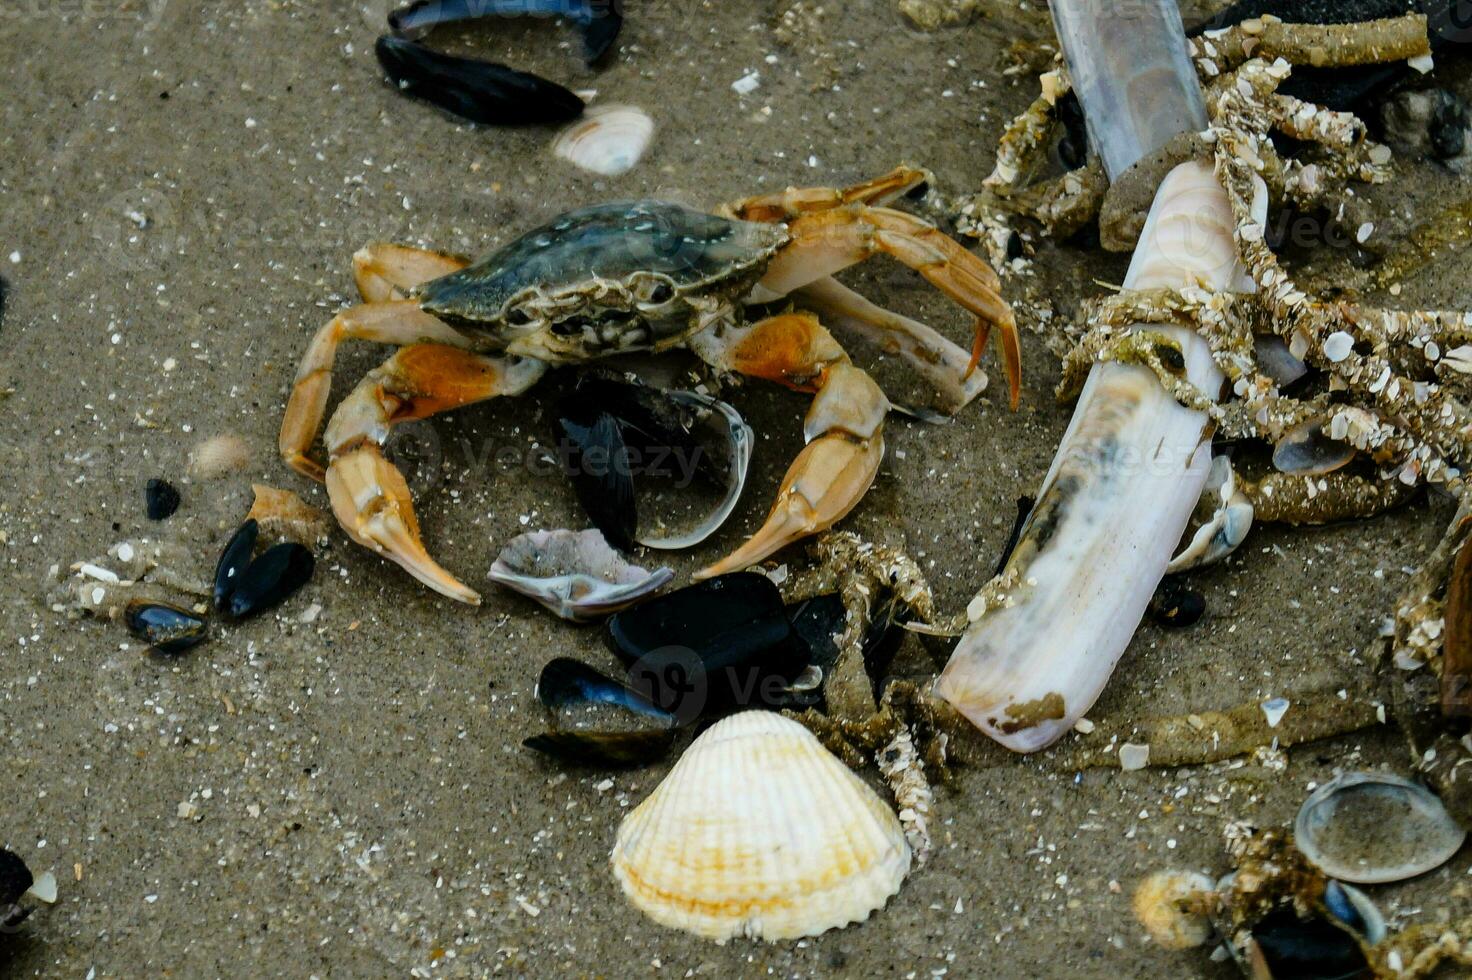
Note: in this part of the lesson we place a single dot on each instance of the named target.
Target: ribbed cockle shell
(759, 831)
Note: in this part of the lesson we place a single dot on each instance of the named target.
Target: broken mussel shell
(1372, 827)
(17, 884)
(664, 469)
(599, 21)
(593, 719)
(244, 585)
(1176, 605)
(160, 499)
(165, 628)
(1284, 946)
(576, 574)
(480, 91)
(713, 647)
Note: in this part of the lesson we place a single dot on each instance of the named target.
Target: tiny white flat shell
(576, 574)
(43, 889)
(1371, 827)
(608, 139)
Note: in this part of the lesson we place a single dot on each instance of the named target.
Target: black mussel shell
(481, 91)
(271, 579)
(161, 499)
(593, 456)
(166, 628)
(604, 748)
(598, 20)
(1024, 511)
(568, 684)
(1308, 949)
(234, 560)
(1176, 605)
(712, 647)
(596, 720)
(820, 620)
(15, 877)
(628, 446)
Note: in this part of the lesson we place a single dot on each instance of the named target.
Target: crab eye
(661, 293)
(518, 318)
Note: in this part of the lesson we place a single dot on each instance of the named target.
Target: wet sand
(182, 189)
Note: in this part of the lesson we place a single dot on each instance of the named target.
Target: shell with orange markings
(759, 831)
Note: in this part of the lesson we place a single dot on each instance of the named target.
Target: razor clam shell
(1127, 476)
(759, 831)
(575, 574)
(1371, 827)
(608, 140)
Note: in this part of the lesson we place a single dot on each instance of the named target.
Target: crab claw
(371, 500)
(831, 474)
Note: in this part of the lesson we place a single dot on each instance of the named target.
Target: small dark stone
(1174, 605)
(166, 628)
(161, 498)
(271, 579)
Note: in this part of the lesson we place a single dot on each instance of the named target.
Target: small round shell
(1223, 517)
(576, 574)
(759, 831)
(1370, 827)
(219, 456)
(608, 140)
(1174, 907)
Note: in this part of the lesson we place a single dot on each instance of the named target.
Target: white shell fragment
(608, 140)
(576, 574)
(759, 831)
(1371, 827)
(43, 888)
(219, 456)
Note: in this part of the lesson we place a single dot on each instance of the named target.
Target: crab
(643, 276)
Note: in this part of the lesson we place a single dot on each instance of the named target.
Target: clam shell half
(1372, 827)
(759, 831)
(607, 140)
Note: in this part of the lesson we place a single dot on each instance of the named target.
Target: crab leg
(794, 201)
(394, 322)
(384, 274)
(384, 271)
(369, 495)
(843, 428)
(928, 351)
(825, 242)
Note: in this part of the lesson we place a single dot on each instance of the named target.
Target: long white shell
(759, 831)
(608, 140)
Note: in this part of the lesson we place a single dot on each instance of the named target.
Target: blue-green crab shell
(611, 277)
